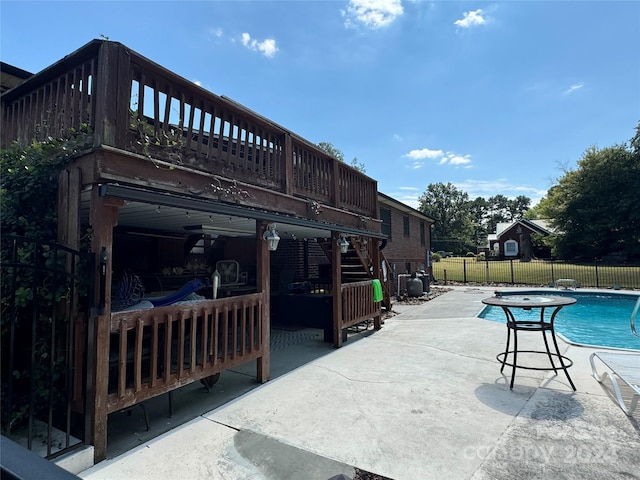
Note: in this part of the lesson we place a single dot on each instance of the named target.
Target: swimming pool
(597, 319)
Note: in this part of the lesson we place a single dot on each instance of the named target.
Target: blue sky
(494, 97)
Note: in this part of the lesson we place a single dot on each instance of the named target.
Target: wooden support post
(69, 187)
(336, 279)
(263, 281)
(374, 249)
(103, 217)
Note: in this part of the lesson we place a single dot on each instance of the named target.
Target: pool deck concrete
(423, 398)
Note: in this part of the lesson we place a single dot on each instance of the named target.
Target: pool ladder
(634, 314)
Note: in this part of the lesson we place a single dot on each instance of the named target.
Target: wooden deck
(133, 104)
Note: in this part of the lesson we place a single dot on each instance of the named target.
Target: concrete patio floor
(423, 398)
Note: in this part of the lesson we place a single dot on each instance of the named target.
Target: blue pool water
(596, 319)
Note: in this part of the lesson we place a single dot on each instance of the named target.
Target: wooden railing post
(287, 158)
(335, 194)
(263, 284)
(375, 258)
(336, 288)
(113, 94)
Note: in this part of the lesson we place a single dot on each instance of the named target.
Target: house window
(510, 248)
(385, 216)
(422, 234)
(405, 224)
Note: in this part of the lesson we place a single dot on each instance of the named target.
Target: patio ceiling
(140, 217)
(164, 214)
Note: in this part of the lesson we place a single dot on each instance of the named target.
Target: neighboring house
(513, 239)
(408, 237)
(175, 183)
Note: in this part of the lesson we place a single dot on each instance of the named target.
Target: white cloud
(444, 158)
(471, 19)
(216, 32)
(458, 159)
(410, 199)
(198, 82)
(372, 13)
(267, 47)
(573, 88)
(424, 153)
(397, 137)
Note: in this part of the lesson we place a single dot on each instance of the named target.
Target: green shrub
(436, 257)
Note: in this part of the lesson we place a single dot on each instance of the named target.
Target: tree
(518, 207)
(358, 165)
(595, 206)
(478, 211)
(497, 211)
(331, 150)
(454, 224)
(337, 153)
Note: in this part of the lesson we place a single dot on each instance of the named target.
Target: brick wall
(406, 253)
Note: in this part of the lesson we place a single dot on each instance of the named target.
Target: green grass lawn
(536, 272)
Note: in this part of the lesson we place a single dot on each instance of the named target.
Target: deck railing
(133, 104)
(61, 99)
(156, 350)
(357, 303)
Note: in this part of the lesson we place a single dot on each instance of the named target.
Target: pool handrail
(634, 314)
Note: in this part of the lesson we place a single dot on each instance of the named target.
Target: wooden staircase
(357, 266)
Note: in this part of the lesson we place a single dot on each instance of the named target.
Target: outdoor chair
(623, 367)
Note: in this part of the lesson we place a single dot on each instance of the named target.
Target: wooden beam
(112, 165)
(263, 284)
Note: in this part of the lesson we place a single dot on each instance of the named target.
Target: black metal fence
(537, 272)
(43, 286)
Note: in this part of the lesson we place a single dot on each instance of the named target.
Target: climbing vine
(29, 182)
(32, 274)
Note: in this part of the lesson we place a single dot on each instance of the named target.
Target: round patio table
(509, 303)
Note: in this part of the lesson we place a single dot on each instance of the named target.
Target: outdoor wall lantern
(271, 236)
(343, 243)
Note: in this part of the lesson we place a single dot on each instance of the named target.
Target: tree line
(461, 224)
(593, 208)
